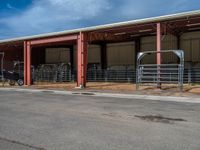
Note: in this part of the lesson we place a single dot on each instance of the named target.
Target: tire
(20, 82)
(11, 82)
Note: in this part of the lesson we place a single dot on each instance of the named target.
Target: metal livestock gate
(159, 74)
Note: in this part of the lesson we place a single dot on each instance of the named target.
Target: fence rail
(53, 73)
(98, 75)
(192, 75)
(111, 75)
(63, 73)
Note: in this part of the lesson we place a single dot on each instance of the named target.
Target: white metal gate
(163, 74)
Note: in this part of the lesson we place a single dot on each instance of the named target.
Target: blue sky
(28, 17)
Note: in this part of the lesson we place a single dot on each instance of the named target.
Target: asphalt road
(36, 121)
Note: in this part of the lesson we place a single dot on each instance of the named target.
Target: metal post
(158, 53)
(25, 62)
(28, 63)
(137, 50)
(82, 60)
(182, 71)
(138, 74)
(178, 44)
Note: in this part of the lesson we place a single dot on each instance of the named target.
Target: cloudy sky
(27, 17)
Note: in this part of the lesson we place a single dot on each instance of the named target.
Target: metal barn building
(106, 52)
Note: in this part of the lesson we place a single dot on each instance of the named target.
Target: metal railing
(160, 74)
(103, 75)
(53, 73)
(63, 73)
(99, 75)
(164, 74)
(192, 75)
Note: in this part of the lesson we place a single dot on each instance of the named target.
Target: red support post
(25, 62)
(28, 64)
(159, 41)
(82, 53)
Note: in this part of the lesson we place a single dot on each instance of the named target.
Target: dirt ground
(105, 86)
(168, 90)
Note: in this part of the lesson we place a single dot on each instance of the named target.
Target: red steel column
(82, 50)
(28, 64)
(85, 57)
(159, 41)
(25, 62)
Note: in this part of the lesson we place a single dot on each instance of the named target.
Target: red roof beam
(54, 40)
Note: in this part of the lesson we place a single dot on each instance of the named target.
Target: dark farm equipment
(16, 75)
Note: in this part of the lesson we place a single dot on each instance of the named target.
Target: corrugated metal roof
(100, 27)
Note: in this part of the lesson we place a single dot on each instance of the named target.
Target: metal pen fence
(53, 73)
(99, 75)
(62, 73)
(158, 74)
(155, 75)
(191, 75)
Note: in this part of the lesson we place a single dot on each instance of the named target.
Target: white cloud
(147, 8)
(9, 6)
(55, 15)
(50, 15)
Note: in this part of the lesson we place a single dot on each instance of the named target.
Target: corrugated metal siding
(190, 43)
(191, 35)
(195, 50)
(94, 54)
(169, 42)
(149, 44)
(185, 46)
(57, 55)
(121, 54)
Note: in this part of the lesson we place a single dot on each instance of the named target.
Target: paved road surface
(36, 121)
